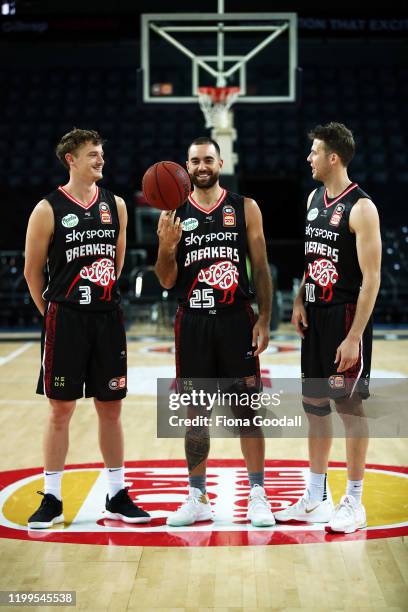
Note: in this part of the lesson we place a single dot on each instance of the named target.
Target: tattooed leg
(197, 447)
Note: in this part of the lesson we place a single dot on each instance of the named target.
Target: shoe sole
(331, 530)
(261, 524)
(301, 520)
(126, 519)
(199, 520)
(43, 525)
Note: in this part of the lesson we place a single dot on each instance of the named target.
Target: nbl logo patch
(105, 213)
(337, 381)
(337, 215)
(228, 216)
(117, 383)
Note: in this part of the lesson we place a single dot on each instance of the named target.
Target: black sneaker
(121, 508)
(49, 513)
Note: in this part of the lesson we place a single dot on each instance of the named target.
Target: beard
(207, 184)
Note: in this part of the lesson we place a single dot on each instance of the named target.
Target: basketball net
(215, 103)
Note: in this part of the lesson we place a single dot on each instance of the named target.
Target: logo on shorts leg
(117, 383)
(337, 381)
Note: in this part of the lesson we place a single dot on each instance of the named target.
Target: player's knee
(349, 406)
(321, 410)
(109, 411)
(61, 413)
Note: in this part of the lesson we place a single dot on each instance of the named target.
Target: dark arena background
(90, 64)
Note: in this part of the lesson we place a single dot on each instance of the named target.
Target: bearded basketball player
(202, 253)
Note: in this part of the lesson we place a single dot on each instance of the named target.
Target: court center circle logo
(160, 486)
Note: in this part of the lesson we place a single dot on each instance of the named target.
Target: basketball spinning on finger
(166, 185)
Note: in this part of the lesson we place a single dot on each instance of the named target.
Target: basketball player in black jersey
(79, 232)
(333, 314)
(202, 252)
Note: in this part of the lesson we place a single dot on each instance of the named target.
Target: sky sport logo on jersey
(70, 220)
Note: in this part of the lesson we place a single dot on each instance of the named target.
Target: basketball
(166, 185)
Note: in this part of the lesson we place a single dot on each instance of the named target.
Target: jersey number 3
(85, 294)
(202, 298)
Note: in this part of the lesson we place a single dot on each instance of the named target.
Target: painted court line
(15, 353)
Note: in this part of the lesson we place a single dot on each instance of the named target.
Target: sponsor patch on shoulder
(228, 216)
(337, 215)
(190, 224)
(70, 220)
(312, 214)
(105, 213)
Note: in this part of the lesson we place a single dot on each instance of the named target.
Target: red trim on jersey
(177, 338)
(345, 192)
(81, 204)
(252, 319)
(207, 211)
(49, 346)
(353, 374)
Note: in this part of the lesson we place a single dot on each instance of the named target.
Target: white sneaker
(259, 508)
(348, 516)
(307, 511)
(195, 508)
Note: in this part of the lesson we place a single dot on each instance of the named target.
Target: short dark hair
(71, 141)
(204, 140)
(337, 139)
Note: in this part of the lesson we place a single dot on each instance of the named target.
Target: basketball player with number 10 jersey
(333, 315)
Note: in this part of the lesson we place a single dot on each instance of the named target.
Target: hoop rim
(219, 95)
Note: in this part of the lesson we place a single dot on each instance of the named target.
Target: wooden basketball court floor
(357, 575)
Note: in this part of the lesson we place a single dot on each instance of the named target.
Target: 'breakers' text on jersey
(332, 271)
(212, 252)
(81, 256)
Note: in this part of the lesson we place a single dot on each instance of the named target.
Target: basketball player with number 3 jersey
(79, 232)
(333, 315)
(202, 253)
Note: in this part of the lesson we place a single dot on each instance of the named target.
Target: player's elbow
(29, 273)
(372, 280)
(167, 281)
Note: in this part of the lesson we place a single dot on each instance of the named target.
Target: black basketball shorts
(327, 328)
(215, 345)
(82, 353)
(215, 350)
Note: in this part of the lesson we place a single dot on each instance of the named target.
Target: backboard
(256, 52)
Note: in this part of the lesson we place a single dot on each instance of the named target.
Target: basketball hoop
(215, 103)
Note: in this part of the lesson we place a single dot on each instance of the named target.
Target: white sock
(317, 487)
(355, 489)
(52, 483)
(116, 480)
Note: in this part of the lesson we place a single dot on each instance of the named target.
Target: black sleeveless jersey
(211, 257)
(332, 271)
(81, 256)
